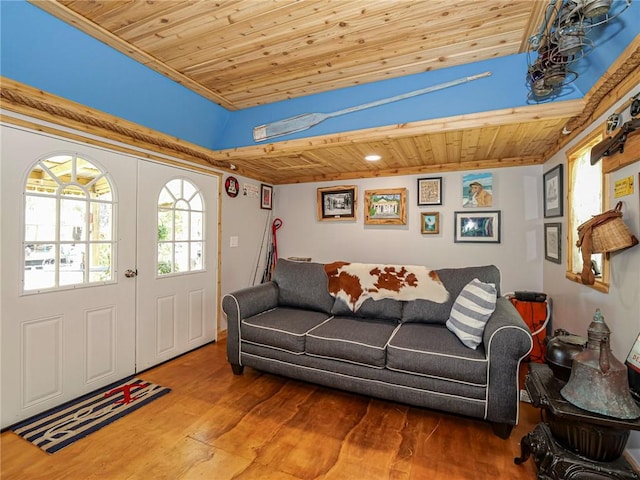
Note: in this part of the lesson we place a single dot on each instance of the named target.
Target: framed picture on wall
(553, 193)
(266, 196)
(385, 206)
(430, 223)
(337, 203)
(430, 191)
(477, 190)
(552, 242)
(477, 227)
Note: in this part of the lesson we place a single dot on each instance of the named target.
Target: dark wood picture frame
(553, 190)
(553, 242)
(266, 197)
(337, 203)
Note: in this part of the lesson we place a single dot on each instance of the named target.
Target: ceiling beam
(505, 116)
(427, 169)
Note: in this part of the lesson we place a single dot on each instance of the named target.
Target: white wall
(242, 218)
(517, 194)
(574, 304)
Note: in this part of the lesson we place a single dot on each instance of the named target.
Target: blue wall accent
(610, 40)
(505, 88)
(41, 51)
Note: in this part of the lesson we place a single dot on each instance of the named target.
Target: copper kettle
(598, 381)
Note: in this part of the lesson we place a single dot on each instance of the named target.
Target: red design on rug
(126, 391)
(355, 282)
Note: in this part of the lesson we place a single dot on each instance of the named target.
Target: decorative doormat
(59, 427)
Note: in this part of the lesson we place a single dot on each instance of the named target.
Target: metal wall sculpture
(562, 39)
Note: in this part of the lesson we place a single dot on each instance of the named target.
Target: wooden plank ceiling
(243, 53)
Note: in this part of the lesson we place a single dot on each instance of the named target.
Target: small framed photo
(430, 191)
(552, 242)
(337, 203)
(477, 227)
(477, 190)
(266, 196)
(553, 192)
(430, 222)
(385, 206)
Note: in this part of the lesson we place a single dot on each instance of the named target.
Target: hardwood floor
(217, 426)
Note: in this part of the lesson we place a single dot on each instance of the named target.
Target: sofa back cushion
(454, 280)
(383, 309)
(302, 285)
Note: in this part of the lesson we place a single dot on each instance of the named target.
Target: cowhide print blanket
(355, 282)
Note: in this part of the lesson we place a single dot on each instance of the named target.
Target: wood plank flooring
(217, 426)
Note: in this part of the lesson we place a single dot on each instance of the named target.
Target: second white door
(176, 262)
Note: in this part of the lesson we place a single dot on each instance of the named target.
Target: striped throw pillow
(471, 310)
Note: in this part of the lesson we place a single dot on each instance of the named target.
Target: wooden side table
(572, 443)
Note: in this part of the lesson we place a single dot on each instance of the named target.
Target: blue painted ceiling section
(610, 40)
(44, 52)
(505, 88)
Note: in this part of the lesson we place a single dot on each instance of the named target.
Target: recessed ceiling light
(372, 158)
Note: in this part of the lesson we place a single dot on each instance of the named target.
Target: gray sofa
(395, 350)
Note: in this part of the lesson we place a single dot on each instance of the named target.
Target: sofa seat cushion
(282, 327)
(432, 350)
(357, 340)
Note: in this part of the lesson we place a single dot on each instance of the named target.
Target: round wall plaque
(231, 186)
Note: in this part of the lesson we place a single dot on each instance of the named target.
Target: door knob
(131, 273)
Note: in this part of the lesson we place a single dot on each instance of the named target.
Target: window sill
(599, 285)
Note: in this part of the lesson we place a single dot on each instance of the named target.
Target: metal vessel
(598, 381)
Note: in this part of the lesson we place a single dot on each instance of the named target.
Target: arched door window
(68, 224)
(180, 228)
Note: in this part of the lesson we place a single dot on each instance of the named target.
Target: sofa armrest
(507, 341)
(243, 304)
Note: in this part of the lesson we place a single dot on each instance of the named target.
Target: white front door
(78, 222)
(177, 280)
(68, 311)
